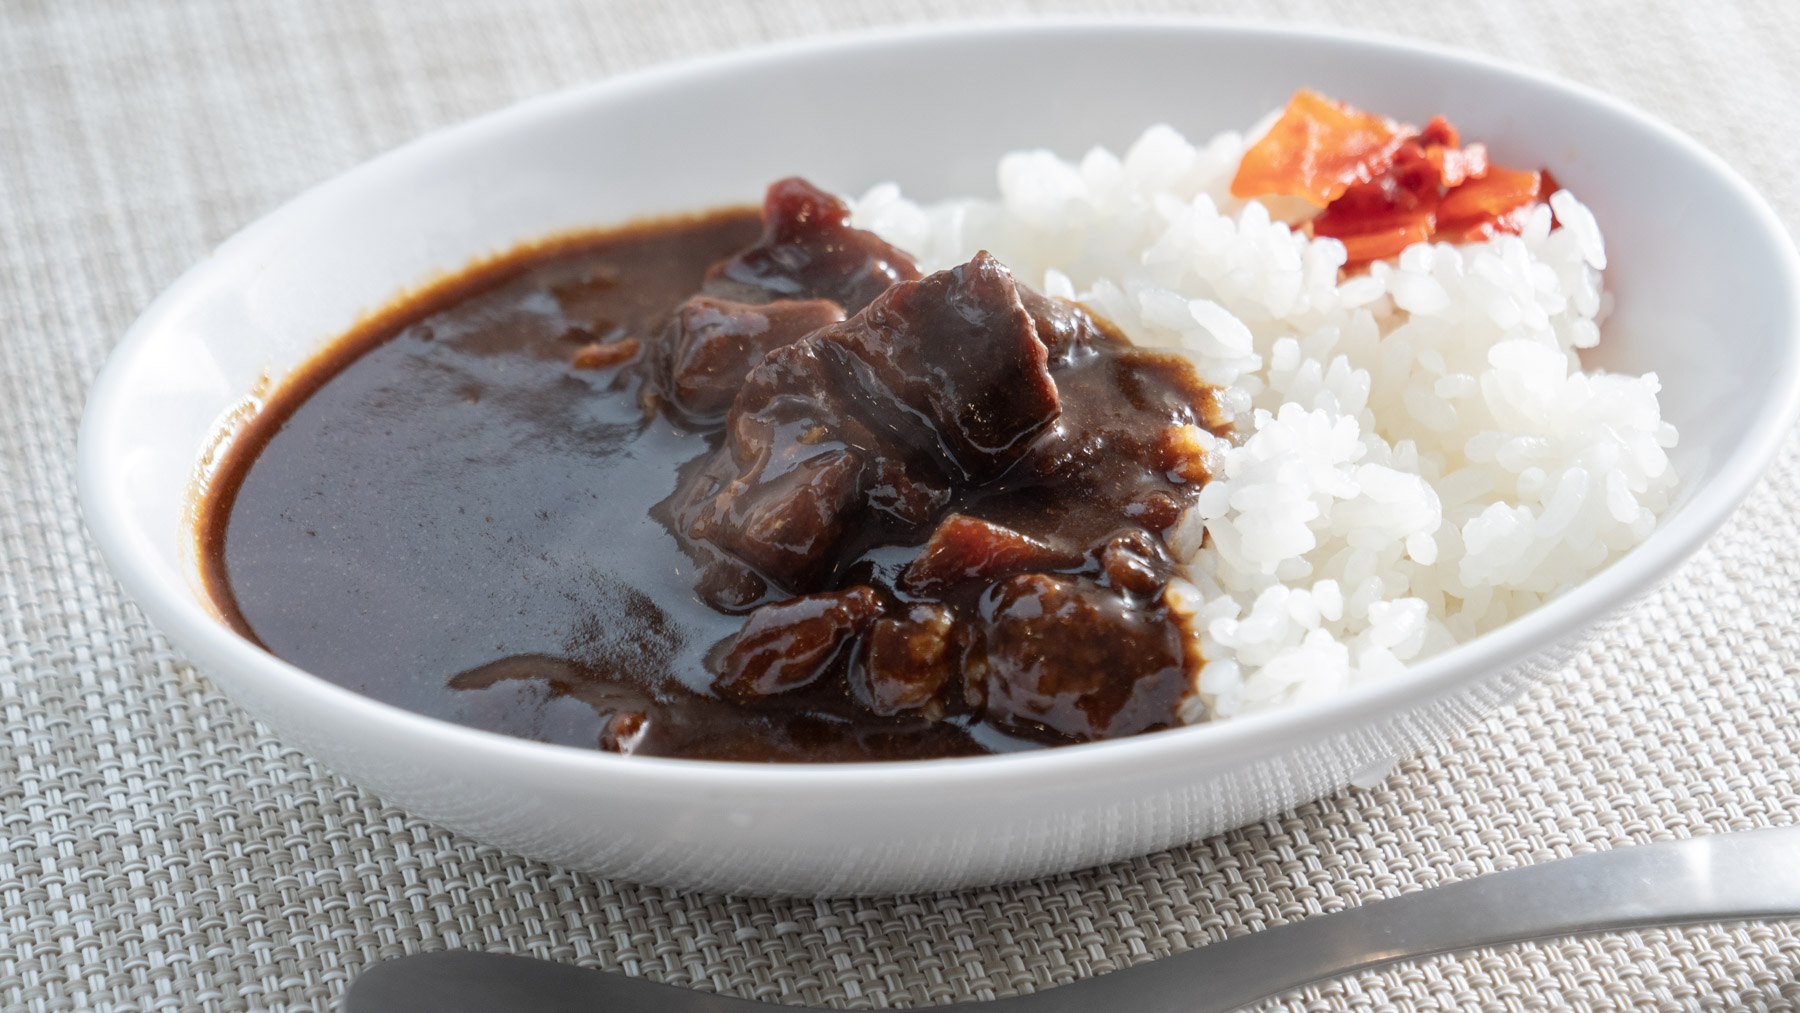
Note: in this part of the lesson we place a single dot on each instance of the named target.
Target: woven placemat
(162, 851)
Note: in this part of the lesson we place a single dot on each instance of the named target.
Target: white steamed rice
(1418, 456)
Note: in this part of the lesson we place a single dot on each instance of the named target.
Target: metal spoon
(1721, 877)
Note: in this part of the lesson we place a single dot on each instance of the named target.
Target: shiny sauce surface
(528, 499)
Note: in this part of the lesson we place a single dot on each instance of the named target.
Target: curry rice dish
(767, 487)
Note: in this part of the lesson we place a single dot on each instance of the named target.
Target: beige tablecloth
(162, 851)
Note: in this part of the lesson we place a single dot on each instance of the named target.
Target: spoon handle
(1720, 877)
(1715, 878)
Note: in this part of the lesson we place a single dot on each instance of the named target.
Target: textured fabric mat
(162, 851)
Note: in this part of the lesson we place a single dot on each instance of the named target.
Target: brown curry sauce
(724, 488)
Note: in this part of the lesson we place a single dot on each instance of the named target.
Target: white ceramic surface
(1704, 275)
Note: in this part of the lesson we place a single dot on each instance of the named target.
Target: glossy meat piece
(906, 490)
(728, 585)
(1134, 562)
(785, 523)
(790, 478)
(1063, 328)
(968, 550)
(714, 343)
(1077, 659)
(809, 250)
(786, 645)
(910, 658)
(940, 378)
(958, 348)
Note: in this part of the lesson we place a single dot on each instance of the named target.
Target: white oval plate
(1704, 275)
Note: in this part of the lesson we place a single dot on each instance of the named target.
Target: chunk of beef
(968, 550)
(786, 523)
(728, 585)
(714, 343)
(788, 644)
(808, 250)
(1075, 658)
(1135, 562)
(910, 491)
(1065, 328)
(872, 417)
(957, 351)
(909, 658)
